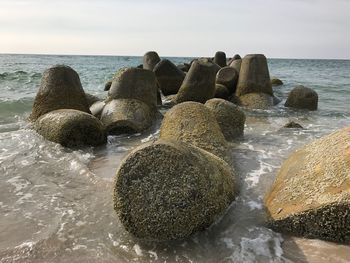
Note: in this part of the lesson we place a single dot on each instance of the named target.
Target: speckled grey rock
(228, 77)
(193, 123)
(168, 190)
(256, 101)
(135, 83)
(311, 194)
(199, 83)
(127, 116)
(168, 76)
(150, 60)
(229, 116)
(60, 88)
(254, 76)
(221, 92)
(302, 98)
(71, 128)
(220, 58)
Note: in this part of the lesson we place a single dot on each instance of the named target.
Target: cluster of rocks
(182, 182)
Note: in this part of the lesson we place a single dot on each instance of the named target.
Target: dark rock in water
(71, 128)
(193, 123)
(228, 77)
(302, 98)
(220, 58)
(199, 83)
(168, 190)
(256, 101)
(293, 125)
(276, 100)
(311, 193)
(254, 76)
(140, 66)
(169, 77)
(108, 86)
(184, 67)
(229, 116)
(135, 83)
(91, 99)
(121, 116)
(221, 92)
(150, 60)
(276, 82)
(236, 64)
(60, 88)
(97, 108)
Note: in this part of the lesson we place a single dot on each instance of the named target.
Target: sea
(56, 203)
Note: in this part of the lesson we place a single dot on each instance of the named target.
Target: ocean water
(56, 203)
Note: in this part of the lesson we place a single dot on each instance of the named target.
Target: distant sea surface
(56, 204)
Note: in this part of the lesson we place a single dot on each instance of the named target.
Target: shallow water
(56, 203)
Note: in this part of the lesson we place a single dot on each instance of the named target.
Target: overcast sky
(278, 28)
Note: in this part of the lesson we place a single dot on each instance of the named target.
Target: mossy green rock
(229, 116)
(71, 128)
(193, 123)
(311, 194)
(135, 83)
(127, 116)
(254, 76)
(199, 83)
(256, 101)
(150, 60)
(60, 88)
(168, 190)
(302, 98)
(169, 77)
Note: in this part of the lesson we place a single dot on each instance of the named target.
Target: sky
(276, 28)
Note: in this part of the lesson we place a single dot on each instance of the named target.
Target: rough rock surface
(60, 88)
(311, 194)
(293, 125)
(302, 98)
(71, 128)
(150, 60)
(256, 101)
(168, 190)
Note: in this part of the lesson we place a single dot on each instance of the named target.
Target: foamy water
(56, 203)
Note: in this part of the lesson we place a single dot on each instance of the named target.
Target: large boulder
(220, 58)
(150, 60)
(193, 123)
(199, 83)
(302, 98)
(236, 64)
(71, 128)
(229, 116)
(169, 77)
(135, 83)
(254, 76)
(168, 190)
(228, 77)
(127, 116)
(221, 92)
(311, 194)
(261, 101)
(60, 88)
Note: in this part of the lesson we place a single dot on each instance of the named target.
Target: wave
(19, 75)
(14, 107)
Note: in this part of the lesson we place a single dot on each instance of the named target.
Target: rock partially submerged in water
(302, 98)
(220, 58)
(60, 88)
(169, 77)
(228, 77)
(293, 125)
(229, 116)
(199, 83)
(71, 128)
(121, 116)
(254, 76)
(150, 60)
(168, 190)
(276, 82)
(261, 101)
(193, 123)
(311, 194)
(135, 83)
